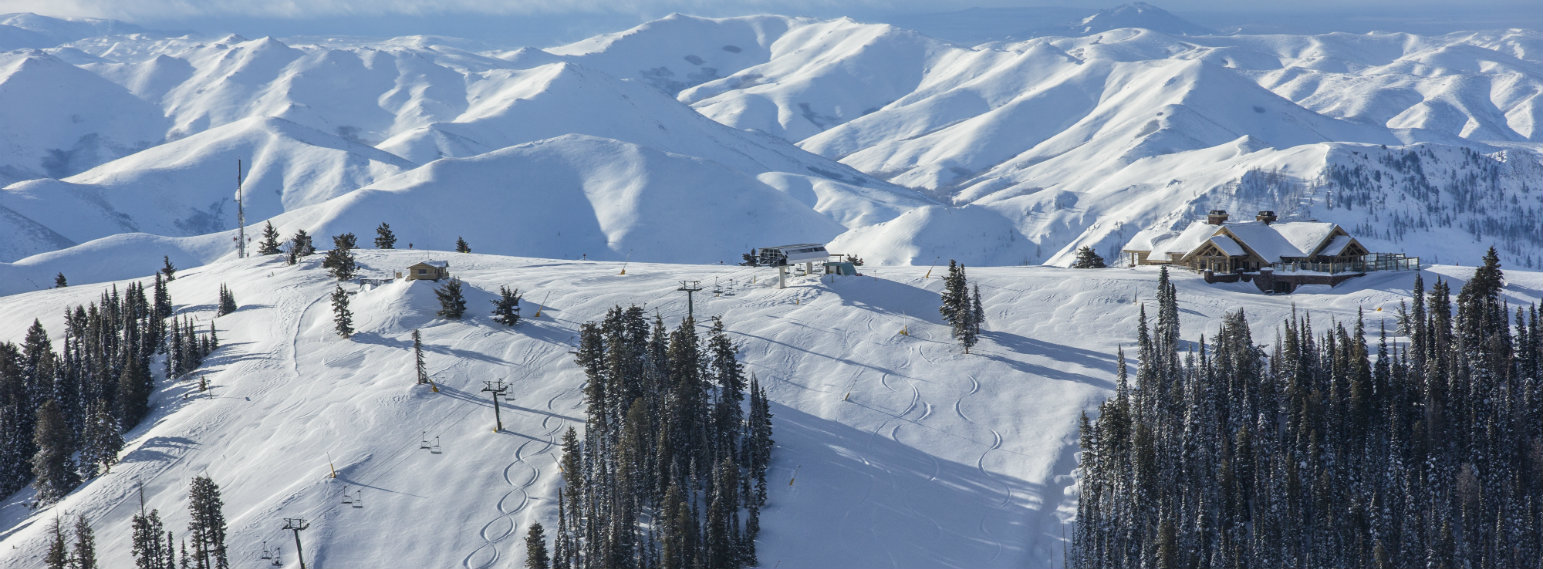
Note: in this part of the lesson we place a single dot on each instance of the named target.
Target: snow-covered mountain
(910, 147)
(892, 450)
(576, 172)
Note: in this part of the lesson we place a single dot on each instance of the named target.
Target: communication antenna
(240, 216)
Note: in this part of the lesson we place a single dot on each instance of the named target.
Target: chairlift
(435, 448)
(346, 498)
(425, 443)
(359, 498)
(717, 288)
(266, 554)
(276, 554)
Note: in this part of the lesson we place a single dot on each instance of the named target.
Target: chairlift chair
(435, 448)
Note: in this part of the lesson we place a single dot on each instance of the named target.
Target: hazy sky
(538, 22)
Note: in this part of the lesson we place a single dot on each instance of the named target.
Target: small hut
(429, 271)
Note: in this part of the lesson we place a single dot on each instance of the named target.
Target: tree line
(63, 412)
(1322, 450)
(670, 471)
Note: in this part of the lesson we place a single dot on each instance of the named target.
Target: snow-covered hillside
(890, 143)
(893, 450)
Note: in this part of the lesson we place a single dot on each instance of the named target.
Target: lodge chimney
(1265, 215)
(1216, 217)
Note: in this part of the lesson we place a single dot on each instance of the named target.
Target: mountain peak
(1140, 15)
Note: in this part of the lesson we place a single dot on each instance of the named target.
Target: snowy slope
(187, 187)
(893, 451)
(1043, 145)
(60, 119)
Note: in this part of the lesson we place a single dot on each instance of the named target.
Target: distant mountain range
(692, 139)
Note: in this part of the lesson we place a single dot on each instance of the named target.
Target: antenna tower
(240, 216)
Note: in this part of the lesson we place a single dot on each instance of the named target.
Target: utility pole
(240, 217)
(297, 524)
(496, 389)
(690, 287)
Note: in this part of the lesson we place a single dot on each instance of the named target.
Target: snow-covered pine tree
(535, 548)
(300, 246)
(340, 260)
(102, 441)
(452, 304)
(270, 243)
(53, 469)
(206, 524)
(461, 246)
(955, 292)
(227, 300)
(384, 238)
(964, 328)
(342, 318)
(1087, 259)
(506, 308)
(168, 269)
(85, 545)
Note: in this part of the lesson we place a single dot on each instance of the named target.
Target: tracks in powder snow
(980, 464)
(518, 476)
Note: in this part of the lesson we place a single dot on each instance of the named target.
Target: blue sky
(543, 22)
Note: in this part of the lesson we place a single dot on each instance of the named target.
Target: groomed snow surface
(892, 450)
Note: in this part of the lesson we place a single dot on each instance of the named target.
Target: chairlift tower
(495, 389)
(690, 287)
(295, 525)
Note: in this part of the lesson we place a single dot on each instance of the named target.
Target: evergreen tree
(750, 259)
(102, 441)
(300, 246)
(168, 270)
(423, 372)
(227, 300)
(384, 238)
(977, 312)
(163, 306)
(506, 309)
(58, 556)
(133, 392)
(206, 524)
(60, 282)
(340, 260)
(270, 243)
(461, 246)
(85, 545)
(149, 552)
(955, 293)
(53, 469)
(1087, 259)
(342, 318)
(535, 548)
(452, 304)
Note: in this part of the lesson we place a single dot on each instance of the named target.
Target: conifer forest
(1320, 449)
(669, 472)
